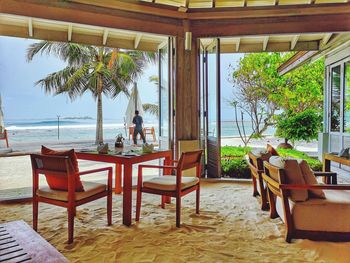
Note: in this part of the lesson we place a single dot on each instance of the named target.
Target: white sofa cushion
(330, 215)
(261, 153)
(293, 175)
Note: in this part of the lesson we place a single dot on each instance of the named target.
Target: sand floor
(230, 228)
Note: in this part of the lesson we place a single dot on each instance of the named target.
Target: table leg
(326, 168)
(127, 194)
(118, 179)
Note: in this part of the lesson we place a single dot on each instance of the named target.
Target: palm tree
(150, 107)
(100, 70)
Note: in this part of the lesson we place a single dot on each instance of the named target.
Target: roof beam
(70, 31)
(237, 44)
(265, 42)
(137, 40)
(326, 38)
(30, 27)
(105, 36)
(294, 42)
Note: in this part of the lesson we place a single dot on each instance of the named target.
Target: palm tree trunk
(99, 124)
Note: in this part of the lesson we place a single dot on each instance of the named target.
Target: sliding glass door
(212, 105)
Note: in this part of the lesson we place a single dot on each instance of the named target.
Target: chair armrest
(171, 161)
(95, 170)
(314, 186)
(325, 174)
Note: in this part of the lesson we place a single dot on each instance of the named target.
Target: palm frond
(151, 108)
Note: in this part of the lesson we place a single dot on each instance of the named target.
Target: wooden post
(187, 90)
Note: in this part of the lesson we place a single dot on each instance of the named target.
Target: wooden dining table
(124, 162)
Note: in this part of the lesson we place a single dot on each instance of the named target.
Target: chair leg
(163, 201)
(197, 199)
(178, 211)
(255, 190)
(35, 214)
(272, 202)
(109, 208)
(70, 225)
(138, 204)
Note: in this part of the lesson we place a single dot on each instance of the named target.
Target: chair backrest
(273, 176)
(57, 165)
(190, 160)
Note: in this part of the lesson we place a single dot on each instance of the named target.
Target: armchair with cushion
(172, 186)
(65, 188)
(308, 209)
(255, 163)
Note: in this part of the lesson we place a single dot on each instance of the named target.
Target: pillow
(59, 182)
(293, 175)
(310, 178)
(261, 153)
(271, 150)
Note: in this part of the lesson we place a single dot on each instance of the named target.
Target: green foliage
(236, 168)
(232, 151)
(302, 126)
(314, 163)
(234, 163)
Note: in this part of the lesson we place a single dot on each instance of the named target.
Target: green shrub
(314, 163)
(234, 151)
(235, 167)
(234, 164)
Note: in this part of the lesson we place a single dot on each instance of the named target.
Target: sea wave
(64, 126)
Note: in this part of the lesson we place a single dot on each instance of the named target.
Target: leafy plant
(303, 126)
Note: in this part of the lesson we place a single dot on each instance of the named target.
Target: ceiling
(236, 3)
(36, 28)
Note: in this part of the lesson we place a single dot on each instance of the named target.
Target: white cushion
(331, 214)
(293, 175)
(310, 178)
(168, 183)
(90, 189)
(261, 153)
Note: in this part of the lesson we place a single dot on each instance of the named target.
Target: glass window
(347, 97)
(212, 94)
(335, 99)
(164, 93)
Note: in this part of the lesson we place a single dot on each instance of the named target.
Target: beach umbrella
(134, 104)
(2, 124)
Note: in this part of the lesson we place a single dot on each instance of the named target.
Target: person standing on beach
(138, 127)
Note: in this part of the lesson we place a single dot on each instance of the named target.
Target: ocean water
(45, 130)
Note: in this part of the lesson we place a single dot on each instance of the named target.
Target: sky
(23, 100)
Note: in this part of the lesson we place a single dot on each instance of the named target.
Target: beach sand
(230, 228)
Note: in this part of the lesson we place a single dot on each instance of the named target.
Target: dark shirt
(137, 120)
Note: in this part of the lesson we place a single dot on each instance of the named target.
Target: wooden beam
(291, 25)
(237, 44)
(105, 36)
(70, 32)
(294, 41)
(271, 47)
(326, 38)
(265, 42)
(312, 2)
(244, 3)
(61, 36)
(213, 3)
(92, 15)
(277, 2)
(268, 11)
(30, 27)
(137, 40)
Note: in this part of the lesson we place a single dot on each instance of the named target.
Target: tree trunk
(99, 123)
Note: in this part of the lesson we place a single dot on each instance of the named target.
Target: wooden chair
(62, 166)
(257, 168)
(172, 186)
(3, 136)
(150, 131)
(279, 192)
